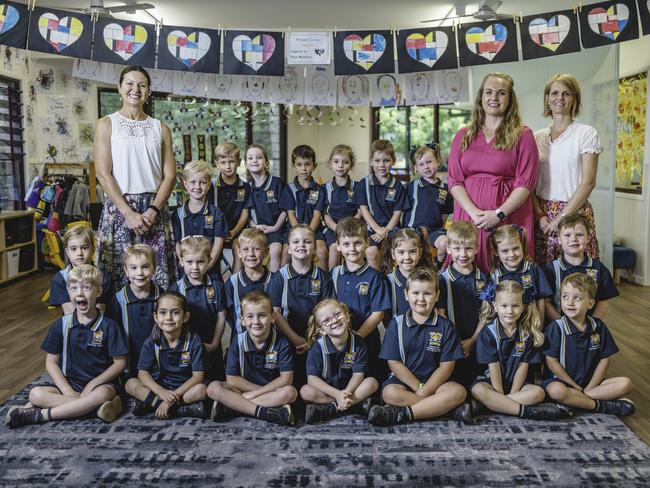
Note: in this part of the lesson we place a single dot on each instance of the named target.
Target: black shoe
(140, 409)
(317, 413)
(463, 413)
(477, 408)
(383, 415)
(220, 412)
(545, 411)
(622, 407)
(194, 410)
(366, 405)
(281, 415)
(19, 416)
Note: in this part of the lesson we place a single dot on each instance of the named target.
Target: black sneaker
(317, 413)
(219, 412)
(366, 405)
(463, 413)
(194, 410)
(622, 407)
(545, 411)
(140, 409)
(383, 415)
(477, 408)
(19, 416)
(281, 415)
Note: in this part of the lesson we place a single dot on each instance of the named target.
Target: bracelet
(154, 208)
(420, 386)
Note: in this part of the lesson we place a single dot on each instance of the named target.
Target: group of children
(307, 330)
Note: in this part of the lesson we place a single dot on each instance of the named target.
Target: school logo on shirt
(186, 359)
(593, 273)
(363, 288)
(241, 194)
(270, 197)
(520, 347)
(594, 341)
(210, 294)
(271, 360)
(350, 195)
(435, 340)
(390, 194)
(314, 287)
(209, 221)
(313, 197)
(526, 280)
(480, 284)
(442, 196)
(97, 339)
(348, 360)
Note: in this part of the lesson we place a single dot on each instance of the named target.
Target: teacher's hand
(488, 220)
(149, 217)
(136, 223)
(544, 224)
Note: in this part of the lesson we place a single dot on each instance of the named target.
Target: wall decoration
(253, 53)
(549, 34)
(487, 43)
(79, 109)
(44, 81)
(605, 23)
(420, 88)
(86, 134)
(426, 49)
(188, 49)
(14, 21)
(644, 15)
(82, 85)
(320, 86)
(123, 42)
(255, 89)
(630, 132)
(226, 87)
(111, 73)
(308, 48)
(161, 80)
(290, 89)
(386, 90)
(59, 32)
(353, 90)
(363, 52)
(87, 69)
(190, 84)
(452, 86)
(58, 105)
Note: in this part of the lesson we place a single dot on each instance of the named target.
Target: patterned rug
(587, 450)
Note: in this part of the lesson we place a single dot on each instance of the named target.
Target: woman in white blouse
(568, 159)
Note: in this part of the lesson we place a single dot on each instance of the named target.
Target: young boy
(381, 198)
(259, 368)
(206, 299)
(86, 353)
(573, 231)
(362, 288)
(134, 305)
(309, 200)
(229, 193)
(460, 285)
(577, 350)
(79, 248)
(198, 217)
(421, 348)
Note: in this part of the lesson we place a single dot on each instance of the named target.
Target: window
(11, 146)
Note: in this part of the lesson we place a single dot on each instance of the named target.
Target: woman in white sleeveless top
(136, 168)
(568, 160)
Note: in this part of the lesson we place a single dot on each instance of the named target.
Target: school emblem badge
(350, 195)
(270, 196)
(209, 220)
(348, 359)
(185, 359)
(363, 288)
(97, 339)
(313, 197)
(526, 280)
(390, 194)
(314, 287)
(442, 196)
(594, 341)
(435, 339)
(520, 347)
(209, 293)
(241, 194)
(271, 360)
(480, 284)
(592, 273)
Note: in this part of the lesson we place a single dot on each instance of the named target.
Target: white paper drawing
(111, 73)
(353, 91)
(452, 85)
(290, 88)
(386, 90)
(420, 88)
(161, 80)
(225, 87)
(309, 48)
(320, 86)
(87, 69)
(255, 88)
(191, 84)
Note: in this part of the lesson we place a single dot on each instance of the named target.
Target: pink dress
(489, 176)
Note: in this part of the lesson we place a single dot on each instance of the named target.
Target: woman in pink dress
(493, 165)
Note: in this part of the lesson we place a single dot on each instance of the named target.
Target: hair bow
(432, 145)
(489, 292)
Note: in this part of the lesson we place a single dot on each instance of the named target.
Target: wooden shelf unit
(5, 220)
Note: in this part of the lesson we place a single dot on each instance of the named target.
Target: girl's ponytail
(531, 323)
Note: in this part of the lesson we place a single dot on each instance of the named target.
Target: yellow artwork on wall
(630, 132)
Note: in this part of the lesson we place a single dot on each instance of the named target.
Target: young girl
(401, 255)
(171, 366)
(336, 364)
(508, 343)
(339, 193)
(268, 202)
(508, 258)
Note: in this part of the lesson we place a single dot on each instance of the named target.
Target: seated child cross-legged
(86, 352)
(171, 366)
(577, 353)
(421, 348)
(508, 343)
(259, 369)
(336, 364)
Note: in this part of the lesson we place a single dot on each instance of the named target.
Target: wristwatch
(500, 214)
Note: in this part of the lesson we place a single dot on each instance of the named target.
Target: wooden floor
(24, 319)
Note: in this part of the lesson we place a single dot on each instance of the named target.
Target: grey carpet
(587, 450)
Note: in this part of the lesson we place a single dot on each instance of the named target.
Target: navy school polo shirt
(529, 275)
(237, 287)
(205, 302)
(230, 199)
(381, 200)
(397, 287)
(560, 269)
(306, 200)
(578, 352)
(208, 222)
(59, 288)
(299, 293)
(459, 297)
(259, 366)
(268, 201)
(494, 346)
(338, 201)
(171, 367)
(85, 350)
(421, 347)
(335, 366)
(428, 202)
(135, 316)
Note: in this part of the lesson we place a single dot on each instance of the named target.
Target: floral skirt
(114, 237)
(547, 247)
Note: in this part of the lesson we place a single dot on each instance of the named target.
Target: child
(508, 344)
(309, 199)
(86, 353)
(336, 364)
(578, 348)
(509, 260)
(339, 194)
(171, 367)
(461, 284)
(573, 231)
(79, 249)
(198, 217)
(252, 251)
(429, 199)
(403, 254)
(381, 198)
(420, 347)
(134, 305)
(206, 299)
(229, 193)
(259, 368)
(362, 288)
(268, 202)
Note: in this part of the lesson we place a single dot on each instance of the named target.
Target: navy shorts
(506, 386)
(548, 381)
(330, 236)
(434, 234)
(394, 380)
(372, 243)
(273, 237)
(79, 387)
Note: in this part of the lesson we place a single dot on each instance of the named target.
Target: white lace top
(560, 161)
(136, 150)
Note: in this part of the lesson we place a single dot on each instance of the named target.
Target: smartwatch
(500, 214)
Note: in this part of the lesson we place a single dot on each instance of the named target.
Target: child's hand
(209, 347)
(343, 400)
(467, 345)
(250, 395)
(264, 228)
(377, 237)
(170, 397)
(302, 347)
(162, 412)
(88, 388)
(420, 392)
(70, 393)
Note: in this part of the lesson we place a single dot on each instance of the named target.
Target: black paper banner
(253, 53)
(188, 49)
(605, 23)
(426, 49)
(644, 15)
(487, 43)
(124, 42)
(14, 19)
(549, 34)
(363, 52)
(59, 32)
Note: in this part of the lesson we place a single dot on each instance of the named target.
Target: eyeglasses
(329, 321)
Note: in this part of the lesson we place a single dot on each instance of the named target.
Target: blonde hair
(85, 273)
(583, 282)
(463, 231)
(313, 328)
(572, 85)
(505, 233)
(510, 127)
(529, 320)
(196, 245)
(140, 250)
(257, 297)
(345, 150)
(382, 145)
(421, 151)
(254, 235)
(226, 150)
(197, 167)
(267, 165)
(79, 232)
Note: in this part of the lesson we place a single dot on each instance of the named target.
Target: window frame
(15, 130)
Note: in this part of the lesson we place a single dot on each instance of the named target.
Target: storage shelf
(5, 250)
(22, 273)
(19, 245)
